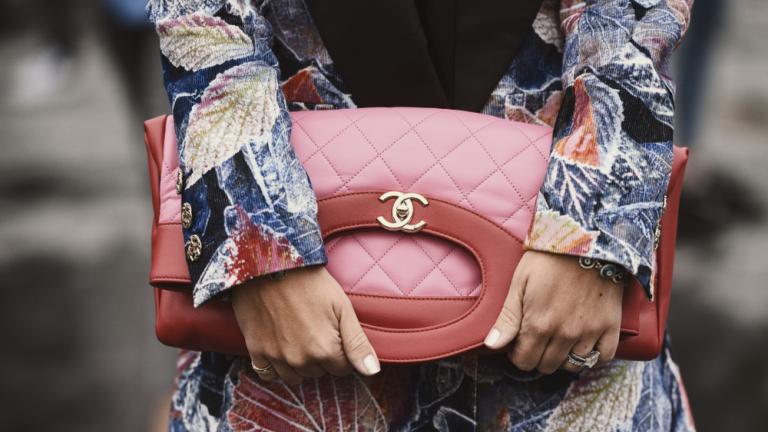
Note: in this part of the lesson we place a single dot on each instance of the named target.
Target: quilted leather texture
(489, 165)
(371, 262)
(486, 164)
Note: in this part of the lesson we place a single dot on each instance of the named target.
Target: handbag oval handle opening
(442, 280)
(496, 251)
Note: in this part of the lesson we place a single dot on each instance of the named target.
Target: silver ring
(262, 370)
(586, 361)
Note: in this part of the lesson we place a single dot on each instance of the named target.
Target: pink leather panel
(343, 151)
(371, 262)
(170, 201)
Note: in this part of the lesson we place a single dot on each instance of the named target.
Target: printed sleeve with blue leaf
(611, 158)
(252, 206)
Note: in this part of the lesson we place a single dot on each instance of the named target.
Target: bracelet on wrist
(607, 271)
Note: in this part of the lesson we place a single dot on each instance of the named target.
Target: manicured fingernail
(492, 337)
(371, 364)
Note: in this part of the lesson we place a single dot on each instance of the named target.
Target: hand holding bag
(423, 213)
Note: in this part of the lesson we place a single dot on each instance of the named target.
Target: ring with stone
(585, 361)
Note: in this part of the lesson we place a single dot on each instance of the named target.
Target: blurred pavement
(76, 315)
(719, 313)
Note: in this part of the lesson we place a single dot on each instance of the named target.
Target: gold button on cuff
(186, 215)
(194, 247)
(179, 181)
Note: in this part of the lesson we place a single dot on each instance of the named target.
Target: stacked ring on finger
(263, 370)
(587, 361)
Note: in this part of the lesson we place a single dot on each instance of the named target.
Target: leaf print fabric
(236, 109)
(255, 211)
(594, 70)
(551, 227)
(604, 398)
(164, 9)
(324, 404)
(612, 150)
(199, 41)
(221, 393)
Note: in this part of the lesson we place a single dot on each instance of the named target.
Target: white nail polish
(492, 337)
(371, 364)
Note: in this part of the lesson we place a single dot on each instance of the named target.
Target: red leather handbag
(423, 212)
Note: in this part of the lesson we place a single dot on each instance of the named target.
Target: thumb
(356, 346)
(508, 323)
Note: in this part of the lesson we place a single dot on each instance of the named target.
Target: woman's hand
(303, 325)
(554, 307)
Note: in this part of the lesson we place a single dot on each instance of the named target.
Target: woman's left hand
(554, 307)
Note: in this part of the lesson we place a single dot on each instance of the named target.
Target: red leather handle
(496, 251)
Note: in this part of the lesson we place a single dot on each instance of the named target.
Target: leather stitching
(165, 174)
(320, 149)
(498, 168)
(491, 175)
(436, 264)
(376, 264)
(379, 154)
(514, 213)
(538, 150)
(297, 122)
(438, 268)
(170, 278)
(416, 298)
(438, 161)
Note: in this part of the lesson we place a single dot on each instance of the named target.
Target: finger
(337, 364)
(287, 373)
(303, 361)
(527, 350)
(555, 354)
(260, 362)
(508, 323)
(607, 345)
(310, 371)
(356, 346)
(583, 347)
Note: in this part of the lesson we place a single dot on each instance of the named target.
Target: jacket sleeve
(248, 206)
(611, 158)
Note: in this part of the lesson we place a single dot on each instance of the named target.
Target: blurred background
(78, 350)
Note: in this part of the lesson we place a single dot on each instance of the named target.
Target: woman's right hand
(302, 324)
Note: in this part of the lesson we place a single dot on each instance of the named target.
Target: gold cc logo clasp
(402, 212)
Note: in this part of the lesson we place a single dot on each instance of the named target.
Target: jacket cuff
(255, 249)
(554, 232)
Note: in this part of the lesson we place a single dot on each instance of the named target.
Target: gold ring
(262, 370)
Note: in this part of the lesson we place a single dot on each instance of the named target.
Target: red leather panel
(646, 345)
(408, 312)
(169, 265)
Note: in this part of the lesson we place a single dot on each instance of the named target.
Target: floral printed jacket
(595, 70)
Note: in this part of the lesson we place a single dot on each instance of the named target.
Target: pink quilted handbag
(423, 211)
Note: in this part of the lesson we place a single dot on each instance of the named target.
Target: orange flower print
(580, 145)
